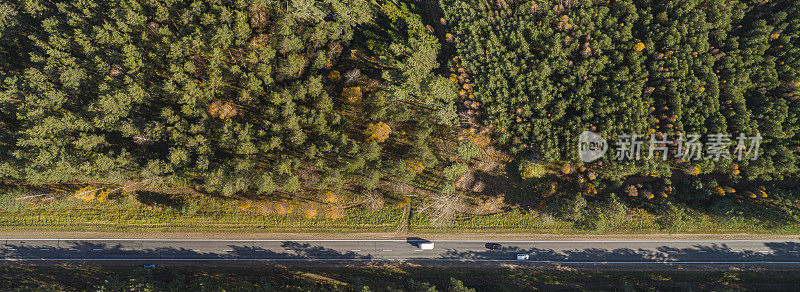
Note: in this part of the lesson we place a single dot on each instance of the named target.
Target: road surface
(544, 251)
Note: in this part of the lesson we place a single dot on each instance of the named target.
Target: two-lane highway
(545, 251)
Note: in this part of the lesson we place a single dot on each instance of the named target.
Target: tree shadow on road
(84, 250)
(772, 252)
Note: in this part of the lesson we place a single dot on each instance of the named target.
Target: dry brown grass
(310, 210)
(335, 212)
(489, 205)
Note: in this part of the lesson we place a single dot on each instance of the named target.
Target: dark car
(494, 246)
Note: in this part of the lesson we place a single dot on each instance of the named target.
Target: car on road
(523, 257)
(149, 267)
(494, 246)
(425, 245)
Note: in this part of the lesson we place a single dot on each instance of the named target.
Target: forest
(229, 96)
(382, 278)
(363, 279)
(472, 107)
(547, 70)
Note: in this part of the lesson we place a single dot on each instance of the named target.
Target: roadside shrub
(529, 169)
(574, 209)
(615, 210)
(673, 219)
(595, 220)
(604, 216)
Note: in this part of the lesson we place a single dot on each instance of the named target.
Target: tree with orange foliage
(222, 110)
(378, 132)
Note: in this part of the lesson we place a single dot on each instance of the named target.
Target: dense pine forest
(546, 70)
(233, 96)
(470, 106)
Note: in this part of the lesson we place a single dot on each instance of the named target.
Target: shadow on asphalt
(88, 250)
(415, 241)
(777, 252)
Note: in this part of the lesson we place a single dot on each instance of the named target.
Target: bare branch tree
(373, 200)
(442, 208)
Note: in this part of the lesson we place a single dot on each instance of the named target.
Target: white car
(523, 257)
(426, 245)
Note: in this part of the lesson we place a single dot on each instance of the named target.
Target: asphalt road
(688, 251)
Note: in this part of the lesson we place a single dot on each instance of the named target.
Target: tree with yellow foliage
(352, 94)
(90, 193)
(414, 165)
(378, 132)
(529, 169)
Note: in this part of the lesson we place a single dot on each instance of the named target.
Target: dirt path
(402, 228)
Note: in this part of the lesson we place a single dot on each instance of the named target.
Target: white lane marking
(417, 250)
(355, 250)
(228, 250)
(387, 250)
(792, 251)
(73, 249)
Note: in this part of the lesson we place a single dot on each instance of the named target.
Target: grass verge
(23, 210)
